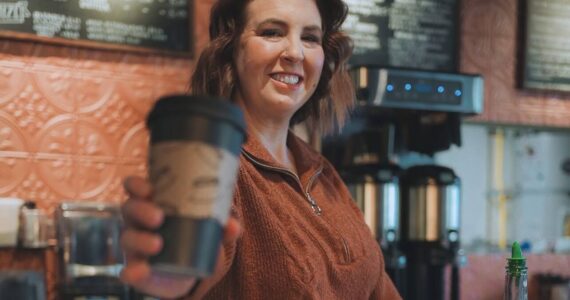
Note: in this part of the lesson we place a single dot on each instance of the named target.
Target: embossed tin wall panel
(69, 122)
(72, 123)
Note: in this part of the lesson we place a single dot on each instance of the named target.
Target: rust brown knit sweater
(286, 250)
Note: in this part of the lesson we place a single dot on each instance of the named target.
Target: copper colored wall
(72, 119)
(72, 123)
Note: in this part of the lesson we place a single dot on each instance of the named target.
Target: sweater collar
(307, 160)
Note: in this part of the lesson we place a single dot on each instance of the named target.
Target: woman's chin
(284, 108)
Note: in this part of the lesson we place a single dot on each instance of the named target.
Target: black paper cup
(195, 143)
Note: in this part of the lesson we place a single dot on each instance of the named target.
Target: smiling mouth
(288, 79)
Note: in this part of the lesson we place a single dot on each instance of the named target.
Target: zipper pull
(316, 208)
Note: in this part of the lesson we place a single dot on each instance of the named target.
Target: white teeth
(289, 79)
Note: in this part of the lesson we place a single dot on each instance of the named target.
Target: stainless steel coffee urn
(373, 183)
(431, 198)
(375, 189)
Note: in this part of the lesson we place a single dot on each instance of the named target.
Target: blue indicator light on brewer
(423, 88)
(458, 93)
(390, 87)
(408, 87)
(440, 89)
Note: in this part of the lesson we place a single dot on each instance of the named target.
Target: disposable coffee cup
(195, 143)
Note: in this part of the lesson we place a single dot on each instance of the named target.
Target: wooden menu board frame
(6, 33)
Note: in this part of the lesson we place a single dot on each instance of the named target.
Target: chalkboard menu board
(146, 24)
(418, 34)
(547, 45)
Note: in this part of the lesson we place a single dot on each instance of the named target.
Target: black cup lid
(213, 107)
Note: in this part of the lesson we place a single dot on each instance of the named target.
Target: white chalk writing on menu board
(157, 24)
(547, 49)
(420, 34)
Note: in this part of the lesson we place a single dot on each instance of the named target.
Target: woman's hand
(142, 216)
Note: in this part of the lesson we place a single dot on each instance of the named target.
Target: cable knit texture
(286, 250)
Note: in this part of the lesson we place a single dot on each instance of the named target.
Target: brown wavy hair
(328, 107)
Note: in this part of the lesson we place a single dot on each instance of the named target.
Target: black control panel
(410, 89)
(418, 90)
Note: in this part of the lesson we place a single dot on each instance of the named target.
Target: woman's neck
(272, 134)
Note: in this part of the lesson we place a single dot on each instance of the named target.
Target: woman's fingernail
(158, 218)
(157, 244)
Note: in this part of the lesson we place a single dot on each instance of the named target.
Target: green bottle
(516, 280)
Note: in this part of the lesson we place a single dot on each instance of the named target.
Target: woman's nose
(294, 51)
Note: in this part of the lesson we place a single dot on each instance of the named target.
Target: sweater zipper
(316, 208)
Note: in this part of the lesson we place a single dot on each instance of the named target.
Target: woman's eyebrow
(280, 22)
(313, 28)
(272, 21)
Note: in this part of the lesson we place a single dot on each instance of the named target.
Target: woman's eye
(270, 33)
(312, 38)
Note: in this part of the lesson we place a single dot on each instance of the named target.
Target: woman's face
(280, 57)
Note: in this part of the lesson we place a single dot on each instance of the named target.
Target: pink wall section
(484, 276)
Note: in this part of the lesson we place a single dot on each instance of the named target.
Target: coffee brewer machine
(374, 184)
(413, 211)
(431, 197)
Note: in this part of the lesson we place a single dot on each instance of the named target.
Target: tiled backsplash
(72, 123)
(72, 126)
(72, 120)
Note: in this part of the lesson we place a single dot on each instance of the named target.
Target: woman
(295, 232)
